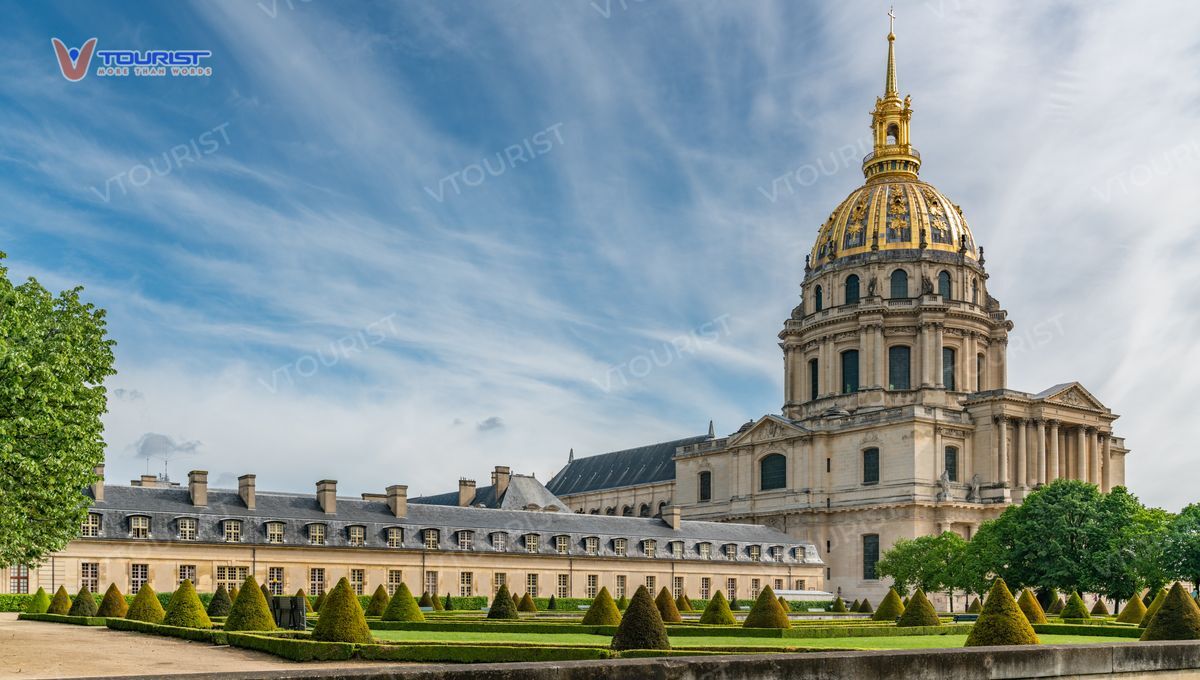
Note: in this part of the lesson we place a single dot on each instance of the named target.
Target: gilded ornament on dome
(899, 226)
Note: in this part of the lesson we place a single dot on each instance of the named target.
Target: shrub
(307, 605)
(975, 607)
(865, 607)
(61, 604)
(403, 606)
(717, 612)
(552, 604)
(84, 604)
(379, 602)
(854, 607)
(266, 594)
(185, 609)
(733, 604)
(683, 603)
(113, 605)
(145, 606)
(1147, 599)
(1001, 621)
(220, 604)
(766, 612)
(1058, 606)
(890, 608)
(787, 606)
(1047, 597)
(1178, 618)
(839, 607)
(623, 603)
(342, 618)
(503, 606)
(250, 611)
(516, 600)
(233, 593)
(919, 612)
(437, 603)
(40, 602)
(526, 604)
(1031, 607)
(1075, 608)
(1100, 609)
(1150, 610)
(642, 626)
(666, 607)
(603, 611)
(320, 601)
(1133, 612)
(426, 601)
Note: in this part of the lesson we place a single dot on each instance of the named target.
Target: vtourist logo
(73, 62)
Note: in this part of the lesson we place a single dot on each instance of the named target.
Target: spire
(889, 87)
(711, 432)
(894, 155)
(571, 455)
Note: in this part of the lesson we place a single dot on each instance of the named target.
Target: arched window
(899, 367)
(849, 371)
(944, 285)
(980, 364)
(772, 472)
(705, 486)
(870, 465)
(899, 284)
(644, 510)
(813, 382)
(610, 511)
(948, 355)
(817, 299)
(974, 292)
(852, 289)
(627, 511)
(952, 463)
(893, 134)
(662, 507)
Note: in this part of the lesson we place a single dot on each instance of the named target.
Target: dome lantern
(893, 155)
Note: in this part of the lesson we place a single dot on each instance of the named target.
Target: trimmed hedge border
(494, 627)
(435, 652)
(294, 649)
(1088, 629)
(210, 635)
(679, 631)
(63, 618)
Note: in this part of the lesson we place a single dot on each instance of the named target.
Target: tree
(1177, 619)
(767, 612)
(113, 605)
(145, 606)
(220, 604)
(603, 611)
(919, 612)
(185, 609)
(53, 361)
(527, 604)
(1130, 540)
(1001, 621)
(61, 603)
(403, 606)
(717, 611)
(40, 602)
(84, 603)
(250, 610)
(503, 606)
(1031, 607)
(379, 602)
(1133, 613)
(666, 607)
(641, 627)
(1182, 550)
(1075, 608)
(890, 607)
(931, 563)
(342, 618)
(865, 607)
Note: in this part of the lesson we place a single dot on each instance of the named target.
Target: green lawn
(900, 642)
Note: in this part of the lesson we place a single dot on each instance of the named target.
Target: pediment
(767, 428)
(1072, 394)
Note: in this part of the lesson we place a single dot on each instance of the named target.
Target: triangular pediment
(766, 428)
(1072, 394)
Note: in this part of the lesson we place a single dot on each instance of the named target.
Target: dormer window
(705, 550)
(591, 545)
(619, 547)
(649, 547)
(139, 526)
(466, 540)
(731, 551)
(499, 542)
(756, 552)
(432, 539)
(562, 544)
(395, 537)
(91, 526)
(274, 532)
(187, 528)
(677, 550)
(232, 529)
(777, 553)
(316, 534)
(531, 543)
(357, 536)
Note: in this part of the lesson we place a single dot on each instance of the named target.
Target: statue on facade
(944, 485)
(926, 286)
(973, 493)
(871, 286)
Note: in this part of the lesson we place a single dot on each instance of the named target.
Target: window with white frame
(394, 578)
(187, 572)
(499, 542)
(564, 585)
(621, 585)
(593, 585)
(275, 580)
(562, 544)
(89, 575)
(187, 528)
(705, 551)
(138, 575)
(677, 587)
(531, 543)
(756, 552)
(274, 532)
(591, 545)
(357, 536)
(731, 551)
(705, 587)
(800, 584)
(677, 550)
(499, 579)
(466, 583)
(395, 537)
(619, 547)
(778, 584)
(431, 583)
(91, 526)
(316, 534)
(777, 553)
(755, 588)
(531, 584)
(358, 580)
(316, 580)
(231, 577)
(139, 526)
(651, 584)
(731, 588)
(18, 579)
(649, 547)
(466, 540)
(432, 538)
(233, 530)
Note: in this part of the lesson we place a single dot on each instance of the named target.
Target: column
(1081, 472)
(969, 364)
(1022, 455)
(789, 368)
(1041, 452)
(826, 377)
(1106, 459)
(1052, 460)
(939, 331)
(1094, 444)
(1002, 449)
(880, 378)
(925, 343)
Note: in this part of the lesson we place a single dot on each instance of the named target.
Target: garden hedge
(1100, 609)
(890, 608)
(320, 602)
(641, 626)
(113, 604)
(527, 604)
(379, 602)
(767, 613)
(975, 607)
(1085, 629)
(213, 636)
(919, 613)
(683, 603)
(1075, 608)
(717, 612)
(435, 653)
(666, 607)
(145, 606)
(1178, 618)
(1133, 612)
(1031, 607)
(250, 611)
(295, 649)
(63, 618)
(220, 604)
(403, 607)
(60, 603)
(84, 603)
(1001, 621)
(839, 606)
(503, 607)
(603, 611)
(342, 618)
(185, 609)
(1153, 608)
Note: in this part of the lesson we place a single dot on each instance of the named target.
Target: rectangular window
(705, 486)
(899, 367)
(800, 584)
(466, 540)
(593, 585)
(431, 583)
(187, 572)
(18, 579)
(138, 575)
(619, 547)
(756, 553)
(231, 577)
(358, 536)
(706, 551)
(731, 588)
(431, 539)
(564, 585)
(814, 384)
(139, 527)
(233, 531)
(395, 537)
(871, 466)
(531, 543)
(394, 578)
(316, 580)
(649, 548)
(274, 532)
(275, 580)
(591, 545)
(531, 584)
(466, 583)
(705, 587)
(849, 371)
(500, 542)
(91, 526)
(952, 463)
(778, 584)
(316, 534)
(948, 356)
(562, 544)
(187, 528)
(777, 553)
(651, 584)
(731, 551)
(676, 587)
(358, 578)
(755, 588)
(870, 556)
(620, 586)
(89, 575)
(499, 579)
(979, 366)
(677, 550)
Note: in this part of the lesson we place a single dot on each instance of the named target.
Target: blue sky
(412, 241)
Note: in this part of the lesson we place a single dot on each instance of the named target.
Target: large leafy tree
(1051, 539)
(926, 562)
(1183, 544)
(54, 357)
(1123, 542)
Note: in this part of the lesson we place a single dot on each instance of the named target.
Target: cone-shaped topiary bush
(308, 608)
(1100, 609)
(854, 607)
(437, 603)
(890, 608)
(403, 606)
(185, 609)
(221, 603)
(1001, 621)
(527, 604)
(551, 605)
(342, 618)
(733, 604)
(1133, 612)
(266, 594)
(975, 607)
(1047, 597)
(61, 603)
(40, 602)
(839, 606)
(250, 610)
(318, 604)
(1075, 608)
(717, 612)
(683, 603)
(145, 606)
(1150, 610)
(666, 607)
(503, 605)
(603, 611)
(379, 602)
(787, 606)
(622, 603)
(1058, 606)
(448, 604)
(766, 612)
(426, 600)
(865, 607)
(1178, 618)
(919, 612)
(113, 605)
(642, 626)
(516, 600)
(233, 593)
(1031, 608)
(84, 604)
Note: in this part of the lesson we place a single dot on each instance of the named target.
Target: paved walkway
(31, 649)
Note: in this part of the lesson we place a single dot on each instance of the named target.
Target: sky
(406, 242)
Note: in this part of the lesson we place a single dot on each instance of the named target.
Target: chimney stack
(327, 495)
(466, 492)
(397, 499)
(148, 480)
(673, 517)
(98, 485)
(246, 490)
(198, 487)
(500, 479)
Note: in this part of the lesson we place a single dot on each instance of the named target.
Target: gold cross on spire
(892, 19)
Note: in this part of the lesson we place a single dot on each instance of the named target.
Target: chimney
(397, 499)
(673, 517)
(374, 497)
(148, 480)
(246, 490)
(98, 485)
(327, 495)
(500, 479)
(198, 487)
(466, 492)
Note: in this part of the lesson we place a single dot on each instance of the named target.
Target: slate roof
(523, 491)
(641, 465)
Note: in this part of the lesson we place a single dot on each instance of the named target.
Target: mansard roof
(641, 465)
(523, 491)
